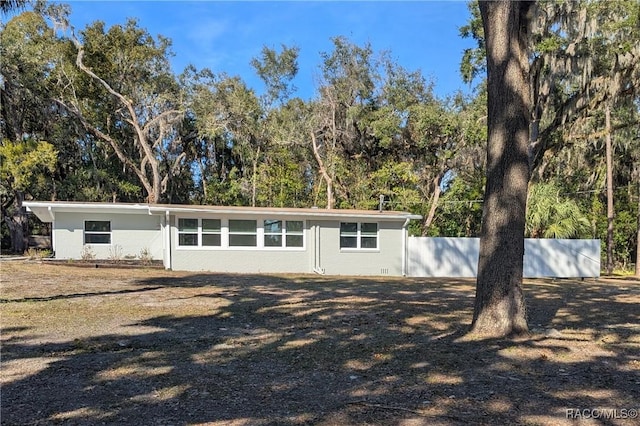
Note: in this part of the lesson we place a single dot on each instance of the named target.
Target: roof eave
(321, 213)
(38, 208)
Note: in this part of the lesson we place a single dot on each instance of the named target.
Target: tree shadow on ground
(320, 350)
(76, 295)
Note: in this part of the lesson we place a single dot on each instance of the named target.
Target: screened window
(356, 235)
(279, 233)
(97, 232)
(187, 232)
(243, 233)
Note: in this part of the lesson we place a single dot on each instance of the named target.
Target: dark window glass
(369, 242)
(97, 238)
(348, 242)
(348, 228)
(211, 240)
(211, 225)
(188, 225)
(97, 232)
(188, 239)
(97, 226)
(369, 228)
(294, 240)
(273, 240)
(248, 226)
(294, 227)
(236, 240)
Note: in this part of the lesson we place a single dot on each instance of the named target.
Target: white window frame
(199, 232)
(208, 232)
(226, 234)
(84, 236)
(359, 236)
(288, 233)
(241, 233)
(283, 234)
(196, 232)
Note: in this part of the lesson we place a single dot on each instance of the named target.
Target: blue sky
(225, 35)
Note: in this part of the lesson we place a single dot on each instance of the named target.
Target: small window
(211, 232)
(278, 233)
(273, 233)
(97, 232)
(295, 233)
(369, 235)
(349, 235)
(243, 233)
(187, 232)
(354, 235)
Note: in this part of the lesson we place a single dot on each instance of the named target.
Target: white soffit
(46, 210)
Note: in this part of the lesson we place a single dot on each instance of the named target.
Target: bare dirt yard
(87, 346)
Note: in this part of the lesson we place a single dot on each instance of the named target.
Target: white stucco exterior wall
(321, 253)
(252, 260)
(137, 227)
(385, 260)
(130, 233)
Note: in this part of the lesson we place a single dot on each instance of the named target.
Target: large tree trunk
(638, 236)
(17, 222)
(610, 209)
(500, 307)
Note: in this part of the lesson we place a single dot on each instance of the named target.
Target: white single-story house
(232, 239)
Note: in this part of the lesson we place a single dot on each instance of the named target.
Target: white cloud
(206, 31)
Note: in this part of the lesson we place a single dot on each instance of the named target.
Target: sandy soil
(87, 346)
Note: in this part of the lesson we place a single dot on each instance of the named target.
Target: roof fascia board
(305, 213)
(163, 208)
(88, 207)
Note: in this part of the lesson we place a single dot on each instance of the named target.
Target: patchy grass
(152, 347)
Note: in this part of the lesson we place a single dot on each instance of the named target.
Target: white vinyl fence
(458, 257)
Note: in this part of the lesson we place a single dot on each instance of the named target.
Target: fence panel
(458, 257)
(443, 257)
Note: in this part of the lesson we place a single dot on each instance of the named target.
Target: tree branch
(96, 132)
(154, 193)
